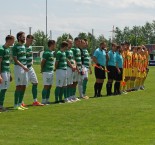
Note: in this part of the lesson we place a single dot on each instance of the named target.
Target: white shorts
(6, 80)
(69, 76)
(86, 70)
(32, 77)
(48, 78)
(61, 77)
(21, 76)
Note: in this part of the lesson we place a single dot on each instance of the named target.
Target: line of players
(71, 66)
(127, 65)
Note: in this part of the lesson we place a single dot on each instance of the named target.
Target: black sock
(99, 89)
(96, 86)
(109, 87)
(118, 87)
(115, 87)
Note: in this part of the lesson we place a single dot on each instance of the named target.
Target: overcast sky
(73, 16)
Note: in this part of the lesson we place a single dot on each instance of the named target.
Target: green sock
(84, 85)
(68, 92)
(71, 91)
(61, 93)
(57, 92)
(65, 92)
(48, 94)
(34, 91)
(2, 96)
(74, 91)
(44, 93)
(16, 97)
(21, 96)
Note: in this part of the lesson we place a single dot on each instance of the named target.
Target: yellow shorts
(128, 72)
(143, 74)
(134, 72)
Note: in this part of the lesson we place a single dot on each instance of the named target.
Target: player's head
(102, 45)
(134, 49)
(77, 42)
(51, 44)
(139, 49)
(10, 40)
(86, 43)
(21, 37)
(119, 49)
(83, 44)
(114, 46)
(70, 43)
(126, 45)
(64, 46)
(29, 39)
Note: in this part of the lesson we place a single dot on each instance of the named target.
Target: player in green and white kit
(5, 76)
(32, 77)
(20, 70)
(77, 57)
(47, 68)
(71, 67)
(86, 65)
(61, 74)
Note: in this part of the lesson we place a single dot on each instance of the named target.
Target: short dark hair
(19, 34)
(50, 42)
(9, 37)
(114, 44)
(127, 43)
(76, 38)
(30, 36)
(64, 44)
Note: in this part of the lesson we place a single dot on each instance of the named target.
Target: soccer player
(139, 65)
(128, 66)
(61, 74)
(119, 71)
(20, 70)
(111, 66)
(77, 75)
(47, 70)
(5, 76)
(85, 65)
(134, 67)
(71, 67)
(99, 58)
(32, 77)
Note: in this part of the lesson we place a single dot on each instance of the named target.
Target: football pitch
(117, 120)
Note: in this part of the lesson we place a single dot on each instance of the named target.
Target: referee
(111, 66)
(99, 58)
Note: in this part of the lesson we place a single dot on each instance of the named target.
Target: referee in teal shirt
(99, 58)
(111, 66)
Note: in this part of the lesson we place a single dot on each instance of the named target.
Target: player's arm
(69, 63)
(20, 64)
(42, 64)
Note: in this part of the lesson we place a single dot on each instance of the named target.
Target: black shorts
(119, 76)
(112, 72)
(99, 74)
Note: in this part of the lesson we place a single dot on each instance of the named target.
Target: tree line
(137, 35)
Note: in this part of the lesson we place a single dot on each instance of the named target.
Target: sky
(73, 16)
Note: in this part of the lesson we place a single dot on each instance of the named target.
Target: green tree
(40, 39)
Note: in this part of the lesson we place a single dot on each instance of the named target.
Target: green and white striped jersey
(77, 57)
(86, 58)
(5, 55)
(61, 59)
(29, 56)
(70, 56)
(48, 55)
(19, 51)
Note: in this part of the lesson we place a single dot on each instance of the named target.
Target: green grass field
(117, 120)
